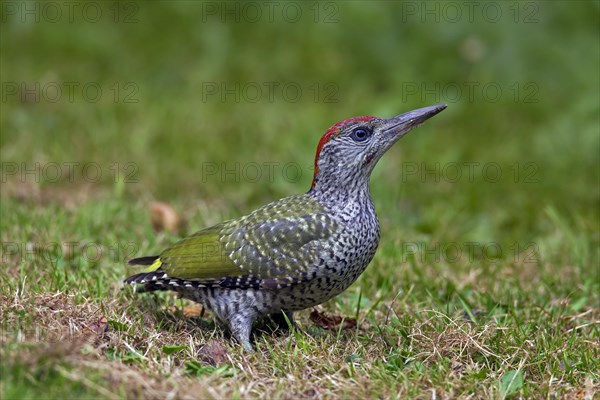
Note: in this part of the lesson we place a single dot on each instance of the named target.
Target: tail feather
(146, 277)
(148, 260)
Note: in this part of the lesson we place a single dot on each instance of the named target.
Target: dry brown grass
(71, 336)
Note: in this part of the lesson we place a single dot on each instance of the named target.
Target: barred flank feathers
(159, 280)
(146, 277)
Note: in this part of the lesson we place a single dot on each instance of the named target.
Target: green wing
(283, 239)
(199, 256)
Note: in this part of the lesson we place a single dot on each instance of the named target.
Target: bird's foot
(241, 326)
(247, 347)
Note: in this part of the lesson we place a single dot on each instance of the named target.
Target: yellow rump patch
(155, 265)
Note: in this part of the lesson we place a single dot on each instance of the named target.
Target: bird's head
(350, 149)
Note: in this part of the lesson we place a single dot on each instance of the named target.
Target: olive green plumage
(280, 241)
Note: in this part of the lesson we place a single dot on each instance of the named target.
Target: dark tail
(148, 260)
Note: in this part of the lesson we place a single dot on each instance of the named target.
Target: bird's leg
(241, 326)
(284, 320)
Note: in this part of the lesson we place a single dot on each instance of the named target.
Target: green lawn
(487, 279)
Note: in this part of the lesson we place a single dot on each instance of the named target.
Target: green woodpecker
(293, 253)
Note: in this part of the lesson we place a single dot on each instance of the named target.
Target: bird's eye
(360, 134)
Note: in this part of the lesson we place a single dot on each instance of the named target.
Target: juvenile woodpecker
(293, 253)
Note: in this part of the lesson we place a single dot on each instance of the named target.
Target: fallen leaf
(332, 322)
(99, 326)
(190, 311)
(165, 218)
(213, 353)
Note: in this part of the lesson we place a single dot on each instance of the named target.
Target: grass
(484, 286)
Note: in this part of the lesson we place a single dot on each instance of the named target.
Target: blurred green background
(184, 86)
(216, 108)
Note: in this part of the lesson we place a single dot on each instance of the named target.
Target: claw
(248, 347)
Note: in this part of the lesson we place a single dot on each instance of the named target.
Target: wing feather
(281, 241)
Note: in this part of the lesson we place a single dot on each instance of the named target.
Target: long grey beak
(403, 123)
